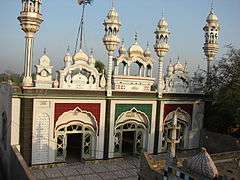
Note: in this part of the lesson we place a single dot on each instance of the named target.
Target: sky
(186, 19)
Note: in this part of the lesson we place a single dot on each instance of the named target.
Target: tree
(15, 78)
(100, 66)
(224, 111)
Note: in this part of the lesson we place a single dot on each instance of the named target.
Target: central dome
(135, 48)
(81, 56)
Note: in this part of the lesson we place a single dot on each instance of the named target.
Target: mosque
(86, 114)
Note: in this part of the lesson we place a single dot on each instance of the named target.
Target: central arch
(75, 134)
(131, 133)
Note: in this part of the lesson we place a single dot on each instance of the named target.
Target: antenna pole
(82, 24)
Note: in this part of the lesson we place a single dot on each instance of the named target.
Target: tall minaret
(111, 41)
(161, 48)
(30, 19)
(211, 46)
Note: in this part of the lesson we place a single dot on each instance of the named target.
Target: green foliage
(15, 78)
(225, 90)
(99, 66)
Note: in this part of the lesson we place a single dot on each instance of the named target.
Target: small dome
(203, 164)
(122, 50)
(67, 57)
(147, 52)
(44, 60)
(162, 23)
(136, 48)
(178, 67)
(212, 17)
(112, 14)
(80, 56)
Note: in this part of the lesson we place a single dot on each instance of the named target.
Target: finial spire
(113, 3)
(91, 51)
(122, 41)
(136, 36)
(68, 49)
(45, 51)
(147, 44)
(162, 13)
(212, 6)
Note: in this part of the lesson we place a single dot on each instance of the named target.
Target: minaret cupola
(112, 26)
(162, 37)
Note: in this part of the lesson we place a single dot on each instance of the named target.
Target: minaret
(111, 41)
(30, 19)
(161, 48)
(211, 45)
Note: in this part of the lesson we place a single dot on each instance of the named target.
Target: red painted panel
(172, 107)
(94, 108)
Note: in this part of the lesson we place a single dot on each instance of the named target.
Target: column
(109, 76)
(27, 79)
(160, 77)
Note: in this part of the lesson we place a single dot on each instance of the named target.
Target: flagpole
(82, 23)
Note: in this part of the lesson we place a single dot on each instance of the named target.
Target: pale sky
(186, 19)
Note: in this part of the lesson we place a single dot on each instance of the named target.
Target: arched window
(136, 69)
(122, 68)
(149, 71)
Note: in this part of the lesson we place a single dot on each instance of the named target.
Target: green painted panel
(121, 108)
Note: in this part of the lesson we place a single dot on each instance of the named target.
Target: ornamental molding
(78, 116)
(133, 115)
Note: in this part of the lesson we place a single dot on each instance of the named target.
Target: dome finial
(162, 13)
(122, 41)
(211, 7)
(45, 51)
(147, 44)
(113, 3)
(91, 52)
(68, 49)
(136, 37)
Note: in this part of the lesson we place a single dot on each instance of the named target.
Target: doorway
(128, 143)
(74, 147)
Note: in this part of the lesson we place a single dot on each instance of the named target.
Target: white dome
(162, 22)
(81, 56)
(112, 14)
(178, 67)
(147, 53)
(44, 60)
(122, 50)
(67, 57)
(136, 48)
(212, 17)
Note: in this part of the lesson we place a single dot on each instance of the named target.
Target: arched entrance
(130, 133)
(75, 135)
(184, 122)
